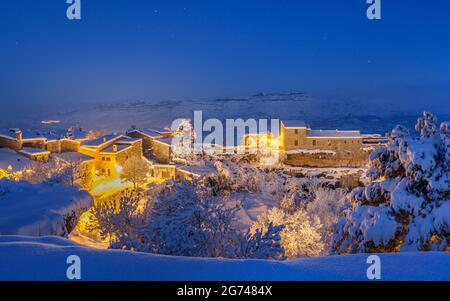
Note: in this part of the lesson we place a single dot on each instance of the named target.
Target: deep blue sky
(131, 50)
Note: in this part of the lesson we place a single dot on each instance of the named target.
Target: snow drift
(41, 209)
(44, 258)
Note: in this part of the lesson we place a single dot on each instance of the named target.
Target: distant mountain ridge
(320, 113)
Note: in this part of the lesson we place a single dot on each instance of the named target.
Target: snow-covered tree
(327, 206)
(118, 220)
(71, 171)
(183, 223)
(135, 171)
(407, 205)
(264, 243)
(183, 141)
(300, 235)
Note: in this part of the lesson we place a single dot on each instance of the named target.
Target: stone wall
(161, 152)
(10, 143)
(327, 160)
(134, 150)
(38, 143)
(62, 146)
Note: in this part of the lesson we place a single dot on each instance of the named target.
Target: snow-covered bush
(182, 223)
(264, 243)
(70, 172)
(300, 235)
(184, 220)
(406, 207)
(327, 206)
(117, 220)
(237, 178)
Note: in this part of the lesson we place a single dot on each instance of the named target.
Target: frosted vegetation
(201, 219)
(406, 207)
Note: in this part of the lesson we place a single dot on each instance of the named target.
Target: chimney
(115, 148)
(18, 134)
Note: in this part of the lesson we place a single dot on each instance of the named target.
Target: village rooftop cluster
(296, 145)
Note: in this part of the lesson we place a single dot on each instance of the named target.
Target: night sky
(153, 50)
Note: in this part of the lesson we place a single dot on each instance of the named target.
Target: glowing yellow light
(118, 168)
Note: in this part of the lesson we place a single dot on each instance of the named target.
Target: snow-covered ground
(11, 159)
(38, 210)
(44, 258)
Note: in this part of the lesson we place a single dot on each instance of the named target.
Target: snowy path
(27, 258)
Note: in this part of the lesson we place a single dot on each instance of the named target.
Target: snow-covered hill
(318, 112)
(44, 258)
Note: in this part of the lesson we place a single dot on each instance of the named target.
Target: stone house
(156, 144)
(299, 145)
(110, 152)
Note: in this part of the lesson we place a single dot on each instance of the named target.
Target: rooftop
(294, 124)
(11, 158)
(166, 140)
(33, 151)
(120, 147)
(72, 156)
(101, 140)
(334, 134)
(127, 140)
(10, 133)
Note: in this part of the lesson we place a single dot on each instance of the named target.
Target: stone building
(299, 145)
(156, 145)
(110, 152)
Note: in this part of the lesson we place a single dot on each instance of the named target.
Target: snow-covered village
(144, 168)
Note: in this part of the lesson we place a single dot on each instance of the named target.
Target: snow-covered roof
(9, 133)
(31, 135)
(101, 140)
(334, 134)
(127, 140)
(120, 147)
(11, 158)
(294, 124)
(166, 140)
(152, 133)
(34, 151)
(72, 156)
(78, 133)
